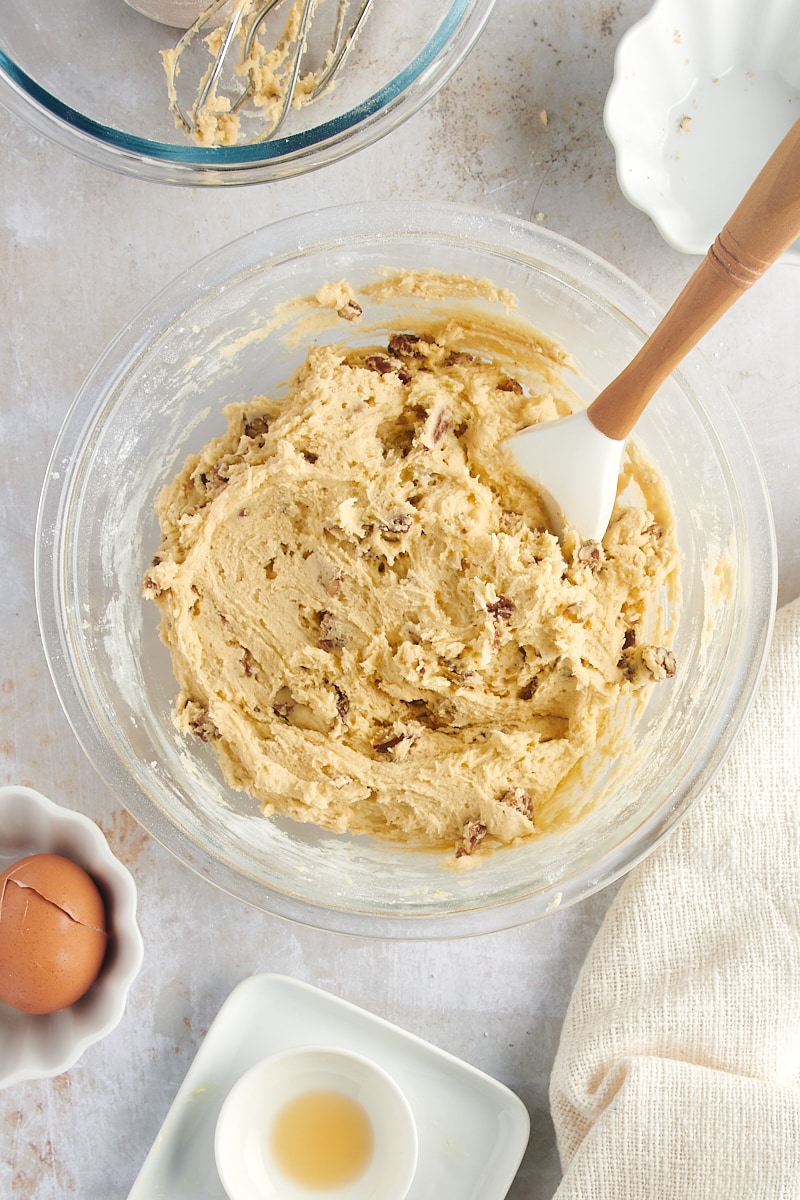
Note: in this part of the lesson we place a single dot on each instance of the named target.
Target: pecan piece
(457, 358)
(406, 345)
(643, 664)
(203, 727)
(502, 607)
(149, 584)
(661, 663)
(350, 311)
(213, 480)
(441, 426)
(248, 664)
(328, 577)
(256, 427)
(629, 640)
(589, 554)
(384, 366)
(436, 426)
(510, 385)
(376, 362)
(283, 703)
(389, 744)
(472, 836)
(342, 703)
(454, 667)
(331, 634)
(527, 691)
(392, 743)
(396, 526)
(295, 713)
(519, 799)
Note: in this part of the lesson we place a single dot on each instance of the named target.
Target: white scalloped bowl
(703, 92)
(36, 1047)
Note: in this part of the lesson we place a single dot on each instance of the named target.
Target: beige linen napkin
(678, 1070)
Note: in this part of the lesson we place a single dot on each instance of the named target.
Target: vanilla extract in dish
(322, 1139)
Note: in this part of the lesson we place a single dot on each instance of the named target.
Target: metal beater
(232, 79)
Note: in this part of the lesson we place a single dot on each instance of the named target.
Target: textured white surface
(80, 251)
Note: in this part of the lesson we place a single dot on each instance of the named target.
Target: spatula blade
(576, 467)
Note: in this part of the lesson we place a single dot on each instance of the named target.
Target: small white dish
(703, 92)
(472, 1131)
(315, 1120)
(37, 1047)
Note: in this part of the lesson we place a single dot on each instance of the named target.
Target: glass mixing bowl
(156, 395)
(89, 76)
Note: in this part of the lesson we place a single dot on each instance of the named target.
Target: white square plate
(472, 1130)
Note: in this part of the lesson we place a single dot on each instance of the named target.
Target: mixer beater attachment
(269, 80)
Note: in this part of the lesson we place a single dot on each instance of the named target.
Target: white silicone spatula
(576, 460)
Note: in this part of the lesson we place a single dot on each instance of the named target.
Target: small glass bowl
(36, 1047)
(157, 394)
(89, 77)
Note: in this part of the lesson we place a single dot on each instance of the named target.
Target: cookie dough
(369, 619)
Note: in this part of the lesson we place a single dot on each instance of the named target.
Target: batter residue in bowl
(368, 617)
(259, 81)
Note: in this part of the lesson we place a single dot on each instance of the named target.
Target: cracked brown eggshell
(52, 933)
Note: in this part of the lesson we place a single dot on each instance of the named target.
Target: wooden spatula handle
(766, 222)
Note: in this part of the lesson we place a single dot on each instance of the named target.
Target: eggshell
(52, 933)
